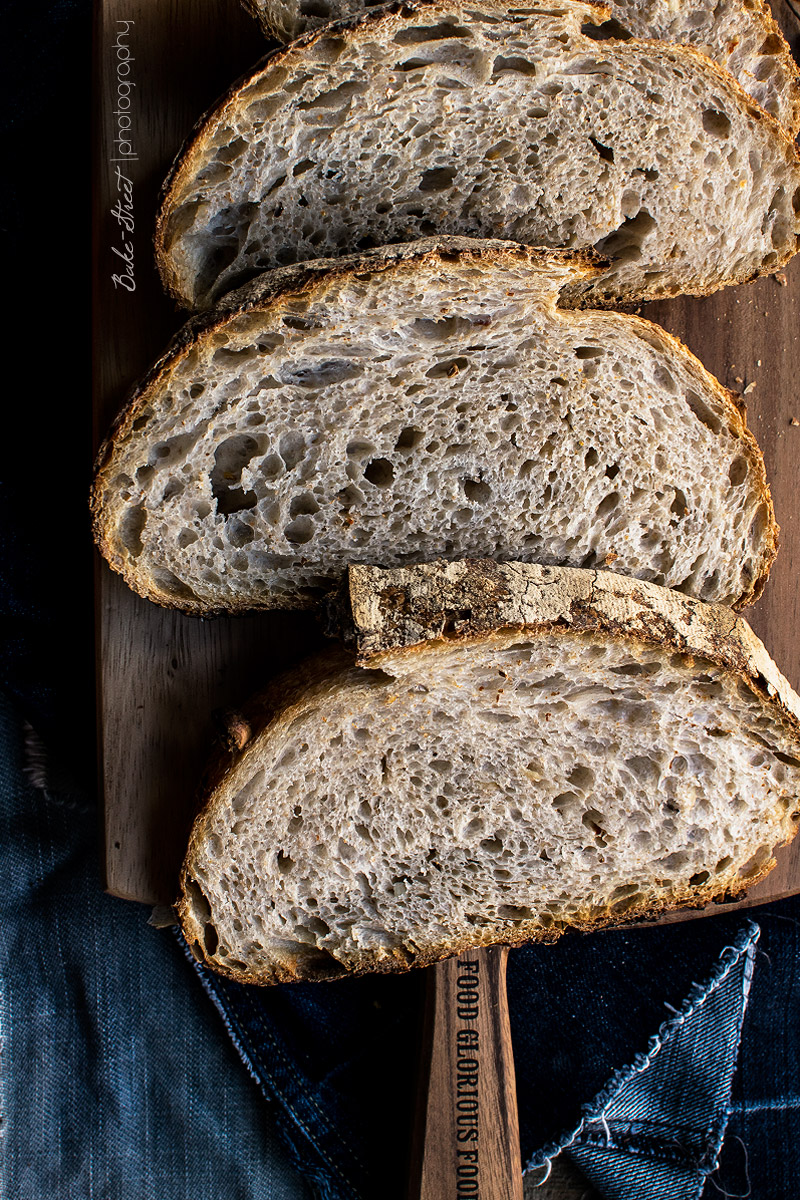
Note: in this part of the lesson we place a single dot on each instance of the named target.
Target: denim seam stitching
(744, 944)
(5, 1023)
(237, 1037)
(760, 1106)
(280, 1095)
(650, 1151)
(295, 1074)
(615, 1134)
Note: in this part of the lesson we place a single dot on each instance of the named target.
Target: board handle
(466, 1144)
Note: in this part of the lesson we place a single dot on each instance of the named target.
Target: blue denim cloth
(118, 1081)
(647, 1021)
(657, 1127)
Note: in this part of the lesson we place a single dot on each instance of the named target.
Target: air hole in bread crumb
(408, 439)
(717, 123)
(379, 472)
(210, 938)
(605, 152)
(299, 531)
(610, 30)
(581, 777)
(608, 504)
(292, 449)
(758, 525)
(515, 64)
(476, 491)
(170, 584)
(786, 758)
(285, 863)
(239, 534)
(303, 504)
(430, 33)
(315, 8)
(565, 802)
(703, 412)
(679, 504)
(131, 527)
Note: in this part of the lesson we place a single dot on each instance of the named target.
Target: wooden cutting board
(159, 64)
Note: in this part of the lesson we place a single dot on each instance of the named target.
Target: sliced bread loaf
(744, 38)
(569, 748)
(421, 401)
(445, 118)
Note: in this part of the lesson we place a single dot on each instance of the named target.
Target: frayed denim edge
(744, 943)
(318, 1183)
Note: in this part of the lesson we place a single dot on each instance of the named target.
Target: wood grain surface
(467, 1138)
(159, 64)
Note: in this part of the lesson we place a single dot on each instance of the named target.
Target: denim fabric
(118, 1080)
(657, 1128)
(598, 1006)
(760, 1156)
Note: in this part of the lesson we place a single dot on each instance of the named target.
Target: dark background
(46, 603)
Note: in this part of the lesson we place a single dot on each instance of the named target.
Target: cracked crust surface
(401, 616)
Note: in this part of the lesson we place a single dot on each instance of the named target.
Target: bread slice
(422, 401)
(742, 37)
(465, 119)
(745, 39)
(569, 748)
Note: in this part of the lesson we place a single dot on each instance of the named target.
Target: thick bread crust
(381, 22)
(536, 600)
(402, 614)
(270, 292)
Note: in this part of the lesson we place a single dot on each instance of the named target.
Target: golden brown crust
(399, 962)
